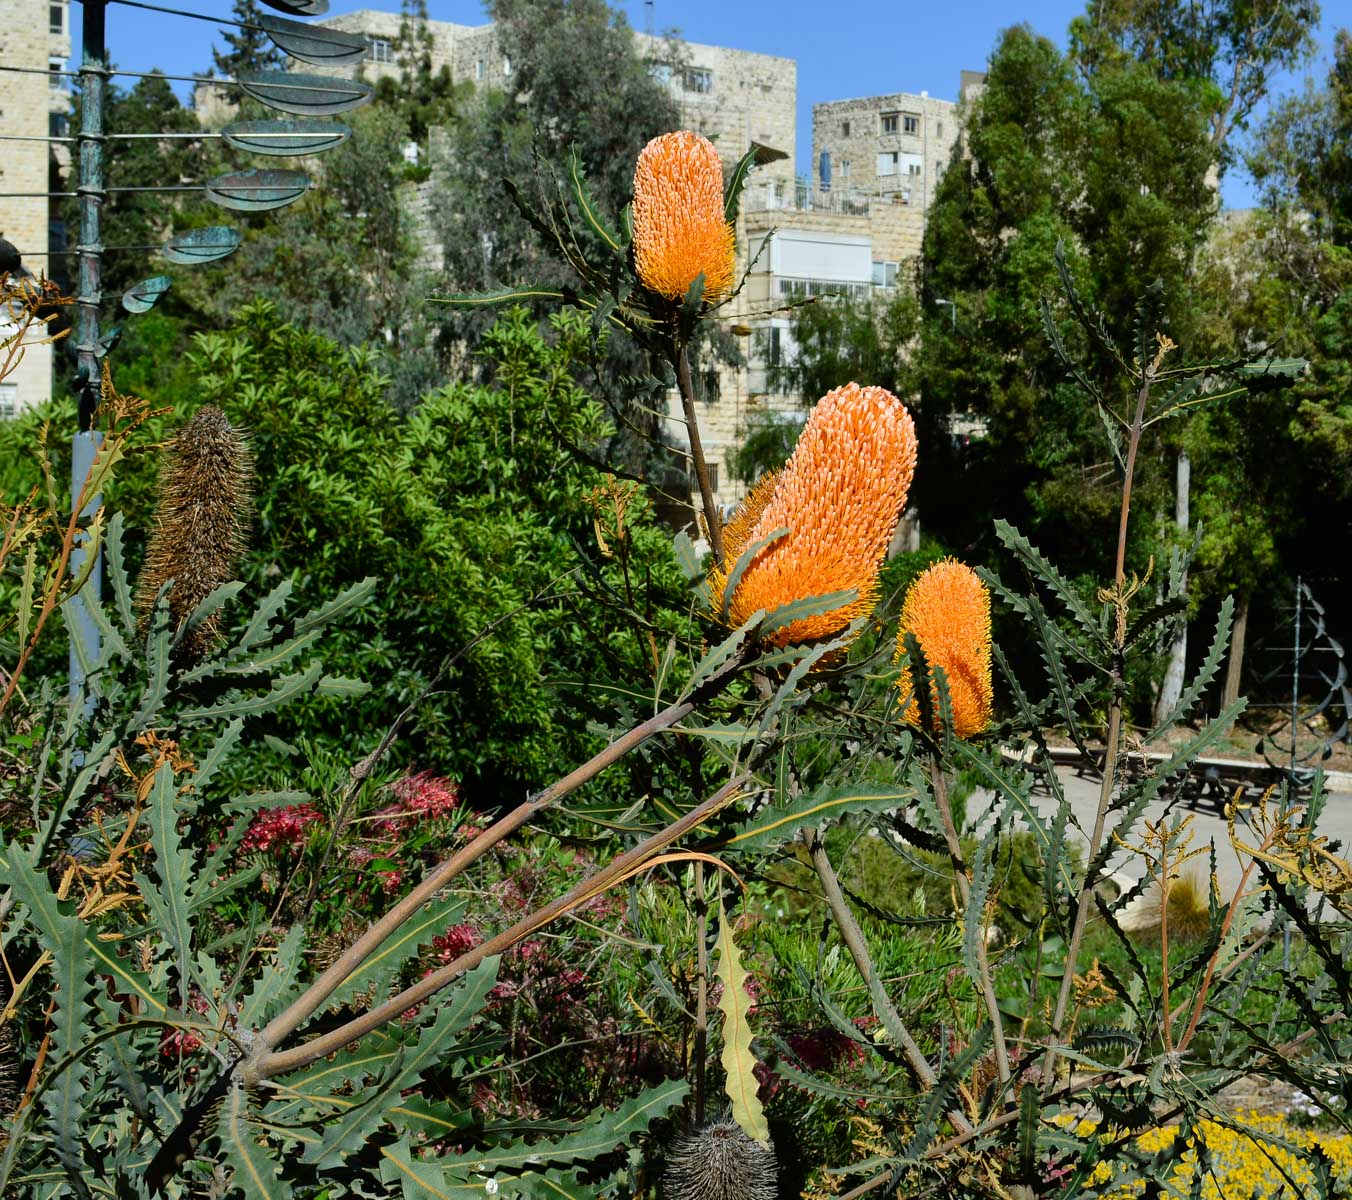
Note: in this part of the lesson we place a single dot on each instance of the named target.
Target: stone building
(733, 97)
(851, 230)
(33, 34)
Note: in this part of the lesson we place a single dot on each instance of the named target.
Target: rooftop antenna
(648, 6)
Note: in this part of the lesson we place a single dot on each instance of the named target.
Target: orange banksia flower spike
(839, 495)
(949, 610)
(680, 232)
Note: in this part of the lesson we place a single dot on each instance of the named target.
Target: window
(844, 129)
(938, 129)
(9, 401)
(887, 163)
(890, 122)
(710, 387)
(844, 170)
(885, 274)
(699, 79)
(713, 476)
(774, 355)
(914, 170)
(479, 69)
(57, 17)
(58, 124)
(910, 124)
(55, 66)
(661, 72)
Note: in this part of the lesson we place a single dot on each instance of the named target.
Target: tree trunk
(1235, 668)
(1172, 687)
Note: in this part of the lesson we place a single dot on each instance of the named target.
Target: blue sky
(844, 48)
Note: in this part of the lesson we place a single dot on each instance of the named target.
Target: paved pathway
(1083, 795)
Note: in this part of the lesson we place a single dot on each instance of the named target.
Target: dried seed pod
(720, 1162)
(205, 500)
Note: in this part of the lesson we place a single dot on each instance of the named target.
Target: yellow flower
(949, 610)
(679, 228)
(839, 496)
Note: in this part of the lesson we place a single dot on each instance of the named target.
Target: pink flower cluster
(421, 795)
(457, 940)
(281, 828)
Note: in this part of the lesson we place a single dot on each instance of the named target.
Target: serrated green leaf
(353, 596)
(1040, 566)
(508, 295)
(259, 624)
(424, 1179)
(380, 967)
(739, 1063)
(211, 604)
(455, 1011)
(732, 196)
(174, 868)
(283, 690)
(602, 1132)
(1205, 673)
(779, 824)
(117, 576)
(586, 205)
(62, 934)
(275, 982)
(744, 560)
(808, 606)
(341, 685)
(257, 1172)
(30, 570)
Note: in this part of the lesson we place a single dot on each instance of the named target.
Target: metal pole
(85, 443)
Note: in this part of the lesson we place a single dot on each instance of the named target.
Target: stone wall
(915, 128)
(27, 103)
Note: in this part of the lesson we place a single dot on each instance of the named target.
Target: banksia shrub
(720, 1162)
(949, 610)
(206, 496)
(839, 496)
(680, 230)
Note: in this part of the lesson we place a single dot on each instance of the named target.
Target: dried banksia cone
(839, 496)
(206, 496)
(949, 610)
(720, 1162)
(680, 231)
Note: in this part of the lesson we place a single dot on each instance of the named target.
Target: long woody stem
(712, 520)
(305, 1005)
(1114, 738)
(267, 1065)
(986, 984)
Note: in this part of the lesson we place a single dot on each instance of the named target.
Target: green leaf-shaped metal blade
(280, 138)
(300, 8)
(257, 191)
(306, 95)
(314, 43)
(142, 297)
(202, 245)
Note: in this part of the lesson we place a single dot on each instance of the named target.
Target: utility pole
(84, 633)
(1172, 687)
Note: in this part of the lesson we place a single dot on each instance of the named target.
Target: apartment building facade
(34, 34)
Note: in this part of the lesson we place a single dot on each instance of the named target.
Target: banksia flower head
(680, 230)
(949, 610)
(839, 496)
(206, 495)
(720, 1162)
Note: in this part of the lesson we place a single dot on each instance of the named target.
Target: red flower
(281, 828)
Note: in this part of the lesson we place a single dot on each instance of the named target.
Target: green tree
(471, 510)
(247, 47)
(576, 80)
(1229, 50)
(1112, 166)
